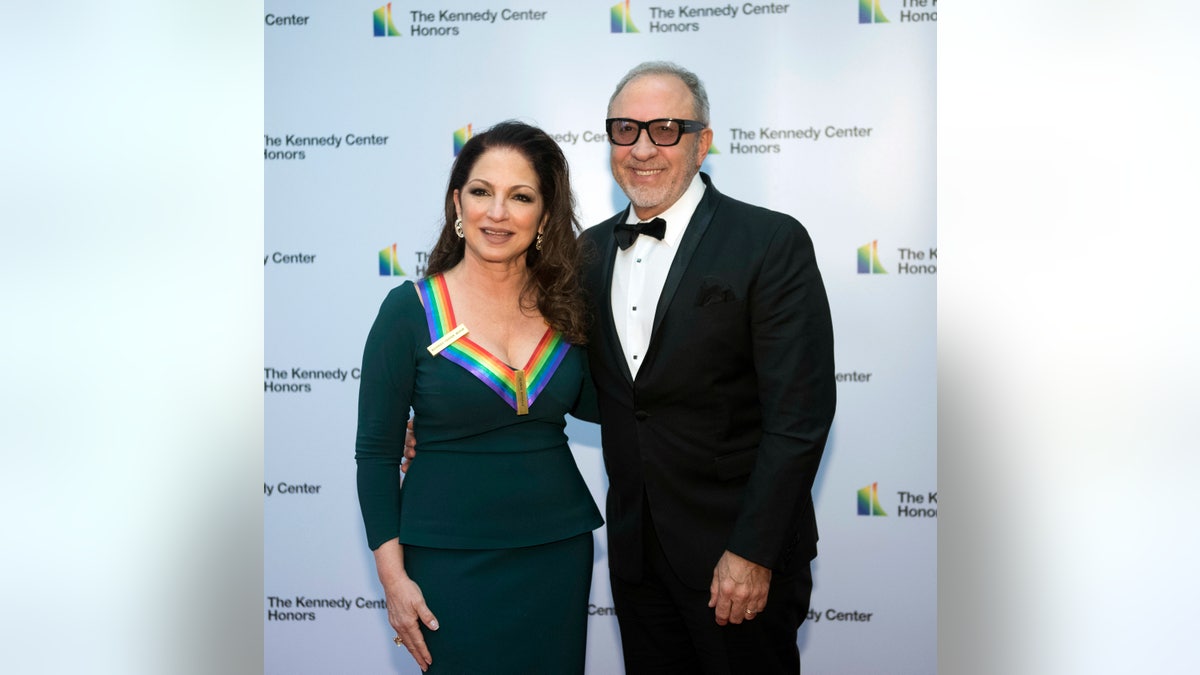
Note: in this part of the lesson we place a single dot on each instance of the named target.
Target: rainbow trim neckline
(519, 388)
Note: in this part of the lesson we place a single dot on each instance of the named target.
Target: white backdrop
(819, 110)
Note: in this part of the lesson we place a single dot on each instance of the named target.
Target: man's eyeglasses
(665, 131)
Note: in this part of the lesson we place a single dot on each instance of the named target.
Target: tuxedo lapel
(612, 341)
(696, 228)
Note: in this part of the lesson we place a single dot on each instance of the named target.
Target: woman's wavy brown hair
(553, 285)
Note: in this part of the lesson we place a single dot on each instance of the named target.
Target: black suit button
(641, 414)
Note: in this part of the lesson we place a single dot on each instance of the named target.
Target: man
(712, 354)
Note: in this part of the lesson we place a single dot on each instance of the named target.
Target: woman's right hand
(406, 612)
(405, 603)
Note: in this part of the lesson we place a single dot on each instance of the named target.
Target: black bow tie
(627, 233)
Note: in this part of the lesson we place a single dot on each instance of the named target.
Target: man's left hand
(739, 589)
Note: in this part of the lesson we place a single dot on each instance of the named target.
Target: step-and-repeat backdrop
(822, 109)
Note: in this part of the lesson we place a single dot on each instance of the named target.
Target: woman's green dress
(494, 516)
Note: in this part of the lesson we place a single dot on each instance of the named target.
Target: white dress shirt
(640, 272)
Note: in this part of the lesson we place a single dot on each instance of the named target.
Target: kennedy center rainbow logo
(868, 259)
(869, 12)
(460, 139)
(389, 265)
(868, 501)
(383, 22)
(621, 21)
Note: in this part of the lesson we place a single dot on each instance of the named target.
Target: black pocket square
(712, 292)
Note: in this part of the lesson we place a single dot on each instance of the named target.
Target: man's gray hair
(699, 95)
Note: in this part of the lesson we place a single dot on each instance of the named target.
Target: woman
(489, 542)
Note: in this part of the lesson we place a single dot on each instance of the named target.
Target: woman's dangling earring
(458, 229)
(538, 244)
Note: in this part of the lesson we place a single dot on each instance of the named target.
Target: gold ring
(399, 642)
(749, 611)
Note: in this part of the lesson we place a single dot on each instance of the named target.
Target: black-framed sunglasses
(663, 131)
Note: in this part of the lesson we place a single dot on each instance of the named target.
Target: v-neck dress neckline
(518, 387)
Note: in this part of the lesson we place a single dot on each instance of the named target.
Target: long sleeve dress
(494, 516)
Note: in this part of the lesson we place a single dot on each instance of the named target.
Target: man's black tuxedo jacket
(723, 429)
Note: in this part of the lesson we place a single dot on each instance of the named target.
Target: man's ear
(706, 136)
